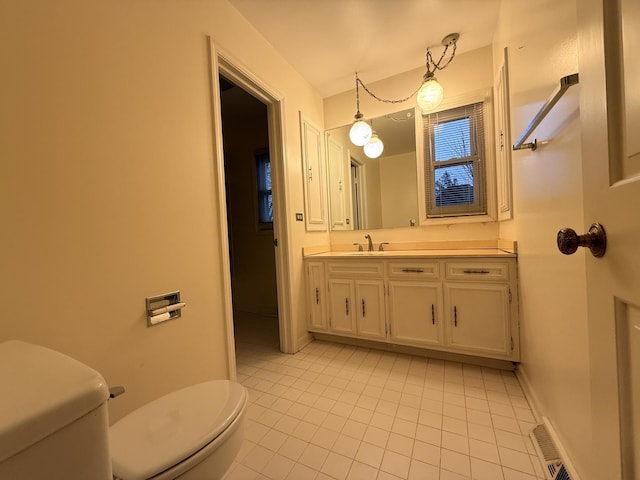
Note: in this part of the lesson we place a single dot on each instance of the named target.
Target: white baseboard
(303, 341)
(534, 403)
(536, 409)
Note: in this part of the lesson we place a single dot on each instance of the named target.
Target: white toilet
(193, 433)
(54, 424)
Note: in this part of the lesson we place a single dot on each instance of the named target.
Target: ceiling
(327, 41)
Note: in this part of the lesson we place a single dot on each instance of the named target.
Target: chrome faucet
(368, 237)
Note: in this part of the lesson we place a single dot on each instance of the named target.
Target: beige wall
(547, 190)
(469, 72)
(108, 191)
(399, 190)
(373, 212)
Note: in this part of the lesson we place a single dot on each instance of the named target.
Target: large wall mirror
(369, 193)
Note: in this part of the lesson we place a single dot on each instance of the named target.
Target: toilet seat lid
(164, 432)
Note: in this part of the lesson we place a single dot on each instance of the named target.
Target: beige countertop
(428, 253)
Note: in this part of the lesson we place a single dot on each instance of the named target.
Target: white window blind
(455, 162)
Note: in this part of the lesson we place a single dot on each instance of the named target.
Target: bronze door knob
(595, 240)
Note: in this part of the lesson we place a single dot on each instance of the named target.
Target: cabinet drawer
(478, 271)
(413, 269)
(348, 269)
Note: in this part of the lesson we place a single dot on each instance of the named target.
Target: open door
(609, 48)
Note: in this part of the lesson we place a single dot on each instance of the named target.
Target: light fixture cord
(436, 65)
(427, 76)
(358, 114)
(358, 81)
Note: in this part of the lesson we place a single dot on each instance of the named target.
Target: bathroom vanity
(462, 301)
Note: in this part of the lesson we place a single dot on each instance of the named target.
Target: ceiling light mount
(450, 39)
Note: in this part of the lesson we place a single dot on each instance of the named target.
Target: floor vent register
(554, 467)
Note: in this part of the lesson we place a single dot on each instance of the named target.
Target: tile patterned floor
(338, 412)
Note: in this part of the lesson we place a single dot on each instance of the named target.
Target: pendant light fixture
(360, 132)
(375, 147)
(431, 93)
(429, 96)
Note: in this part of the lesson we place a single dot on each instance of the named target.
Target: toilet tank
(53, 416)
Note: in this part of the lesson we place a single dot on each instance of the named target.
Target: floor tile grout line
(397, 372)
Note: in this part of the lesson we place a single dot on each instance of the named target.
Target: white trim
(218, 164)
(504, 183)
(534, 404)
(222, 62)
(363, 215)
(563, 453)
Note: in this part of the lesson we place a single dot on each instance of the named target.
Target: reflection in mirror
(366, 193)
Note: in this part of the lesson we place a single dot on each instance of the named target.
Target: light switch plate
(299, 217)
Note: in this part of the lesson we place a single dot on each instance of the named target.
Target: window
(265, 197)
(455, 162)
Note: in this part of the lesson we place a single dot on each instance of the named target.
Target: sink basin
(364, 253)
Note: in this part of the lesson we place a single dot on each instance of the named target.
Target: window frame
(488, 154)
(259, 157)
(475, 159)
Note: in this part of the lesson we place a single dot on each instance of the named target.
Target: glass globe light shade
(374, 148)
(430, 95)
(360, 133)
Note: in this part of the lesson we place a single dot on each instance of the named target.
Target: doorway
(249, 199)
(357, 194)
(223, 65)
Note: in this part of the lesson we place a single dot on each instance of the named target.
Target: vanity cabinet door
(478, 318)
(316, 298)
(341, 306)
(415, 312)
(370, 312)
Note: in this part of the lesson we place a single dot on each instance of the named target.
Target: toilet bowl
(194, 433)
(54, 424)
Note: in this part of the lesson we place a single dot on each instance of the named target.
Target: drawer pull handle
(317, 296)
(433, 314)
(346, 306)
(412, 270)
(455, 316)
(481, 272)
(363, 310)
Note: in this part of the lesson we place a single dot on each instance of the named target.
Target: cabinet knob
(595, 240)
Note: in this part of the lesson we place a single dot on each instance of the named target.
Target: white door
(610, 117)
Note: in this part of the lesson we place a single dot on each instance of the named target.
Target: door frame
(360, 207)
(222, 63)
